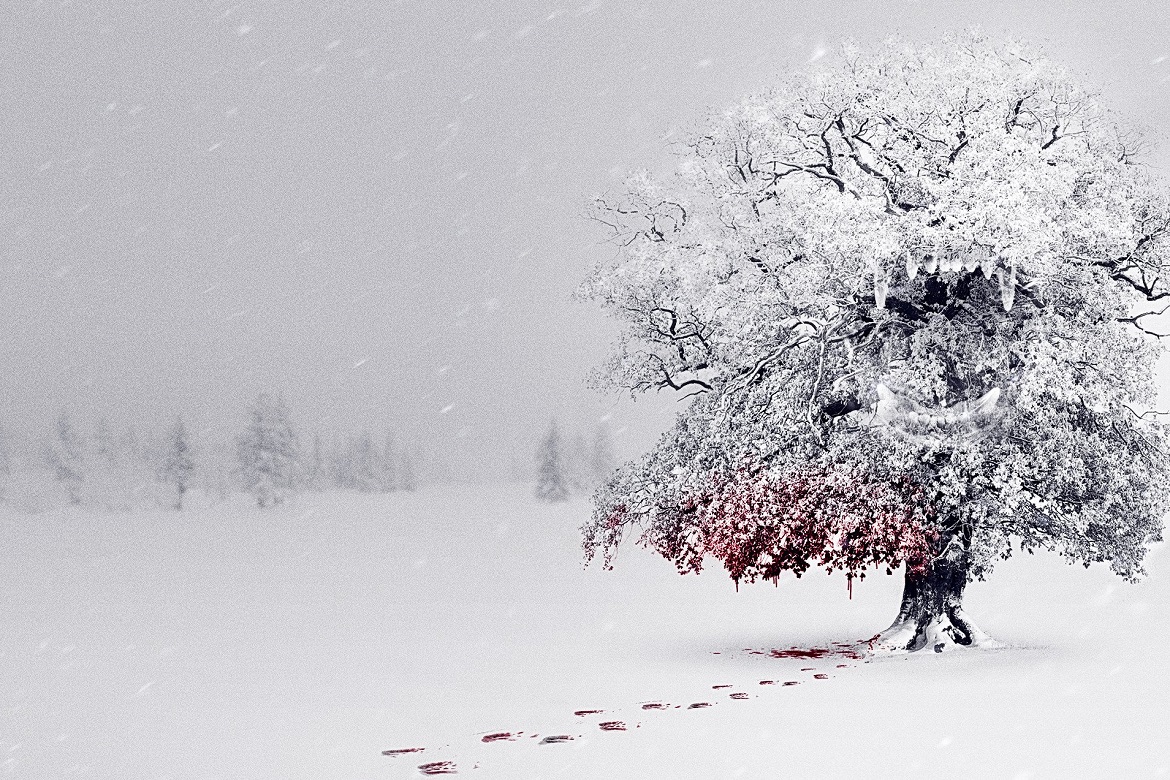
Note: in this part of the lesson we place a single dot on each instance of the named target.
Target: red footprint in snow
(501, 736)
(612, 725)
(402, 751)
(438, 768)
(739, 695)
(655, 705)
(583, 713)
(555, 739)
(699, 705)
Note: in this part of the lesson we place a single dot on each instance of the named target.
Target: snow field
(301, 642)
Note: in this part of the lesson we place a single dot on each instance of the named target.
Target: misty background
(375, 209)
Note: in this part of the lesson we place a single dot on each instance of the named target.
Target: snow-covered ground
(225, 642)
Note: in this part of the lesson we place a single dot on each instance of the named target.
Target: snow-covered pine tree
(177, 465)
(66, 458)
(367, 464)
(551, 482)
(267, 453)
(904, 292)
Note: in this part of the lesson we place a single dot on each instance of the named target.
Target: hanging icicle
(881, 286)
(1007, 286)
(911, 266)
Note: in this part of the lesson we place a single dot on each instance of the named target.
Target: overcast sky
(375, 207)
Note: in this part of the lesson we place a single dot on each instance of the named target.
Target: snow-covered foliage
(962, 226)
(267, 452)
(177, 466)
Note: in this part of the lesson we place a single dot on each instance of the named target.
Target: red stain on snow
(583, 713)
(717, 687)
(402, 751)
(612, 725)
(767, 682)
(655, 705)
(699, 705)
(501, 736)
(820, 676)
(840, 649)
(739, 695)
(438, 768)
(792, 682)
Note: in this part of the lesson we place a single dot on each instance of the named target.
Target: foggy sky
(375, 207)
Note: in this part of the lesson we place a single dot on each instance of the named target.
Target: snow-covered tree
(177, 465)
(66, 458)
(551, 481)
(267, 453)
(905, 292)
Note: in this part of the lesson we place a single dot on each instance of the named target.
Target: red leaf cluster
(760, 524)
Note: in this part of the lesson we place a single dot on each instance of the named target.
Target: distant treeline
(269, 461)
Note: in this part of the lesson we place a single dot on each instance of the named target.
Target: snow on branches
(950, 240)
(760, 524)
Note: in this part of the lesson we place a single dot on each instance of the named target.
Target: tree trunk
(931, 615)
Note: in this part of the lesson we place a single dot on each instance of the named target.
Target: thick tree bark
(931, 615)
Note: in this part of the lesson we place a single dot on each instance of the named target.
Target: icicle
(881, 287)
(911, 266)
(849, 580)
(1007, 286)
(930, 264)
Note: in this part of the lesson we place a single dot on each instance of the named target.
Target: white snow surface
(301, 642)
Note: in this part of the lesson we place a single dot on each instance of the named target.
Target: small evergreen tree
(550, 481)
(177, 465)
(66, 460)
(267, 452)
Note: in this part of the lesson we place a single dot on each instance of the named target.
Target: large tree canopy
(904, 291)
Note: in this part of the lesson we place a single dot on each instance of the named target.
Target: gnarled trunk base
(931, 616)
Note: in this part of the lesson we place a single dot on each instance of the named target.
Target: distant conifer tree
(267, 452)
(177, 465)
(551, 484)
